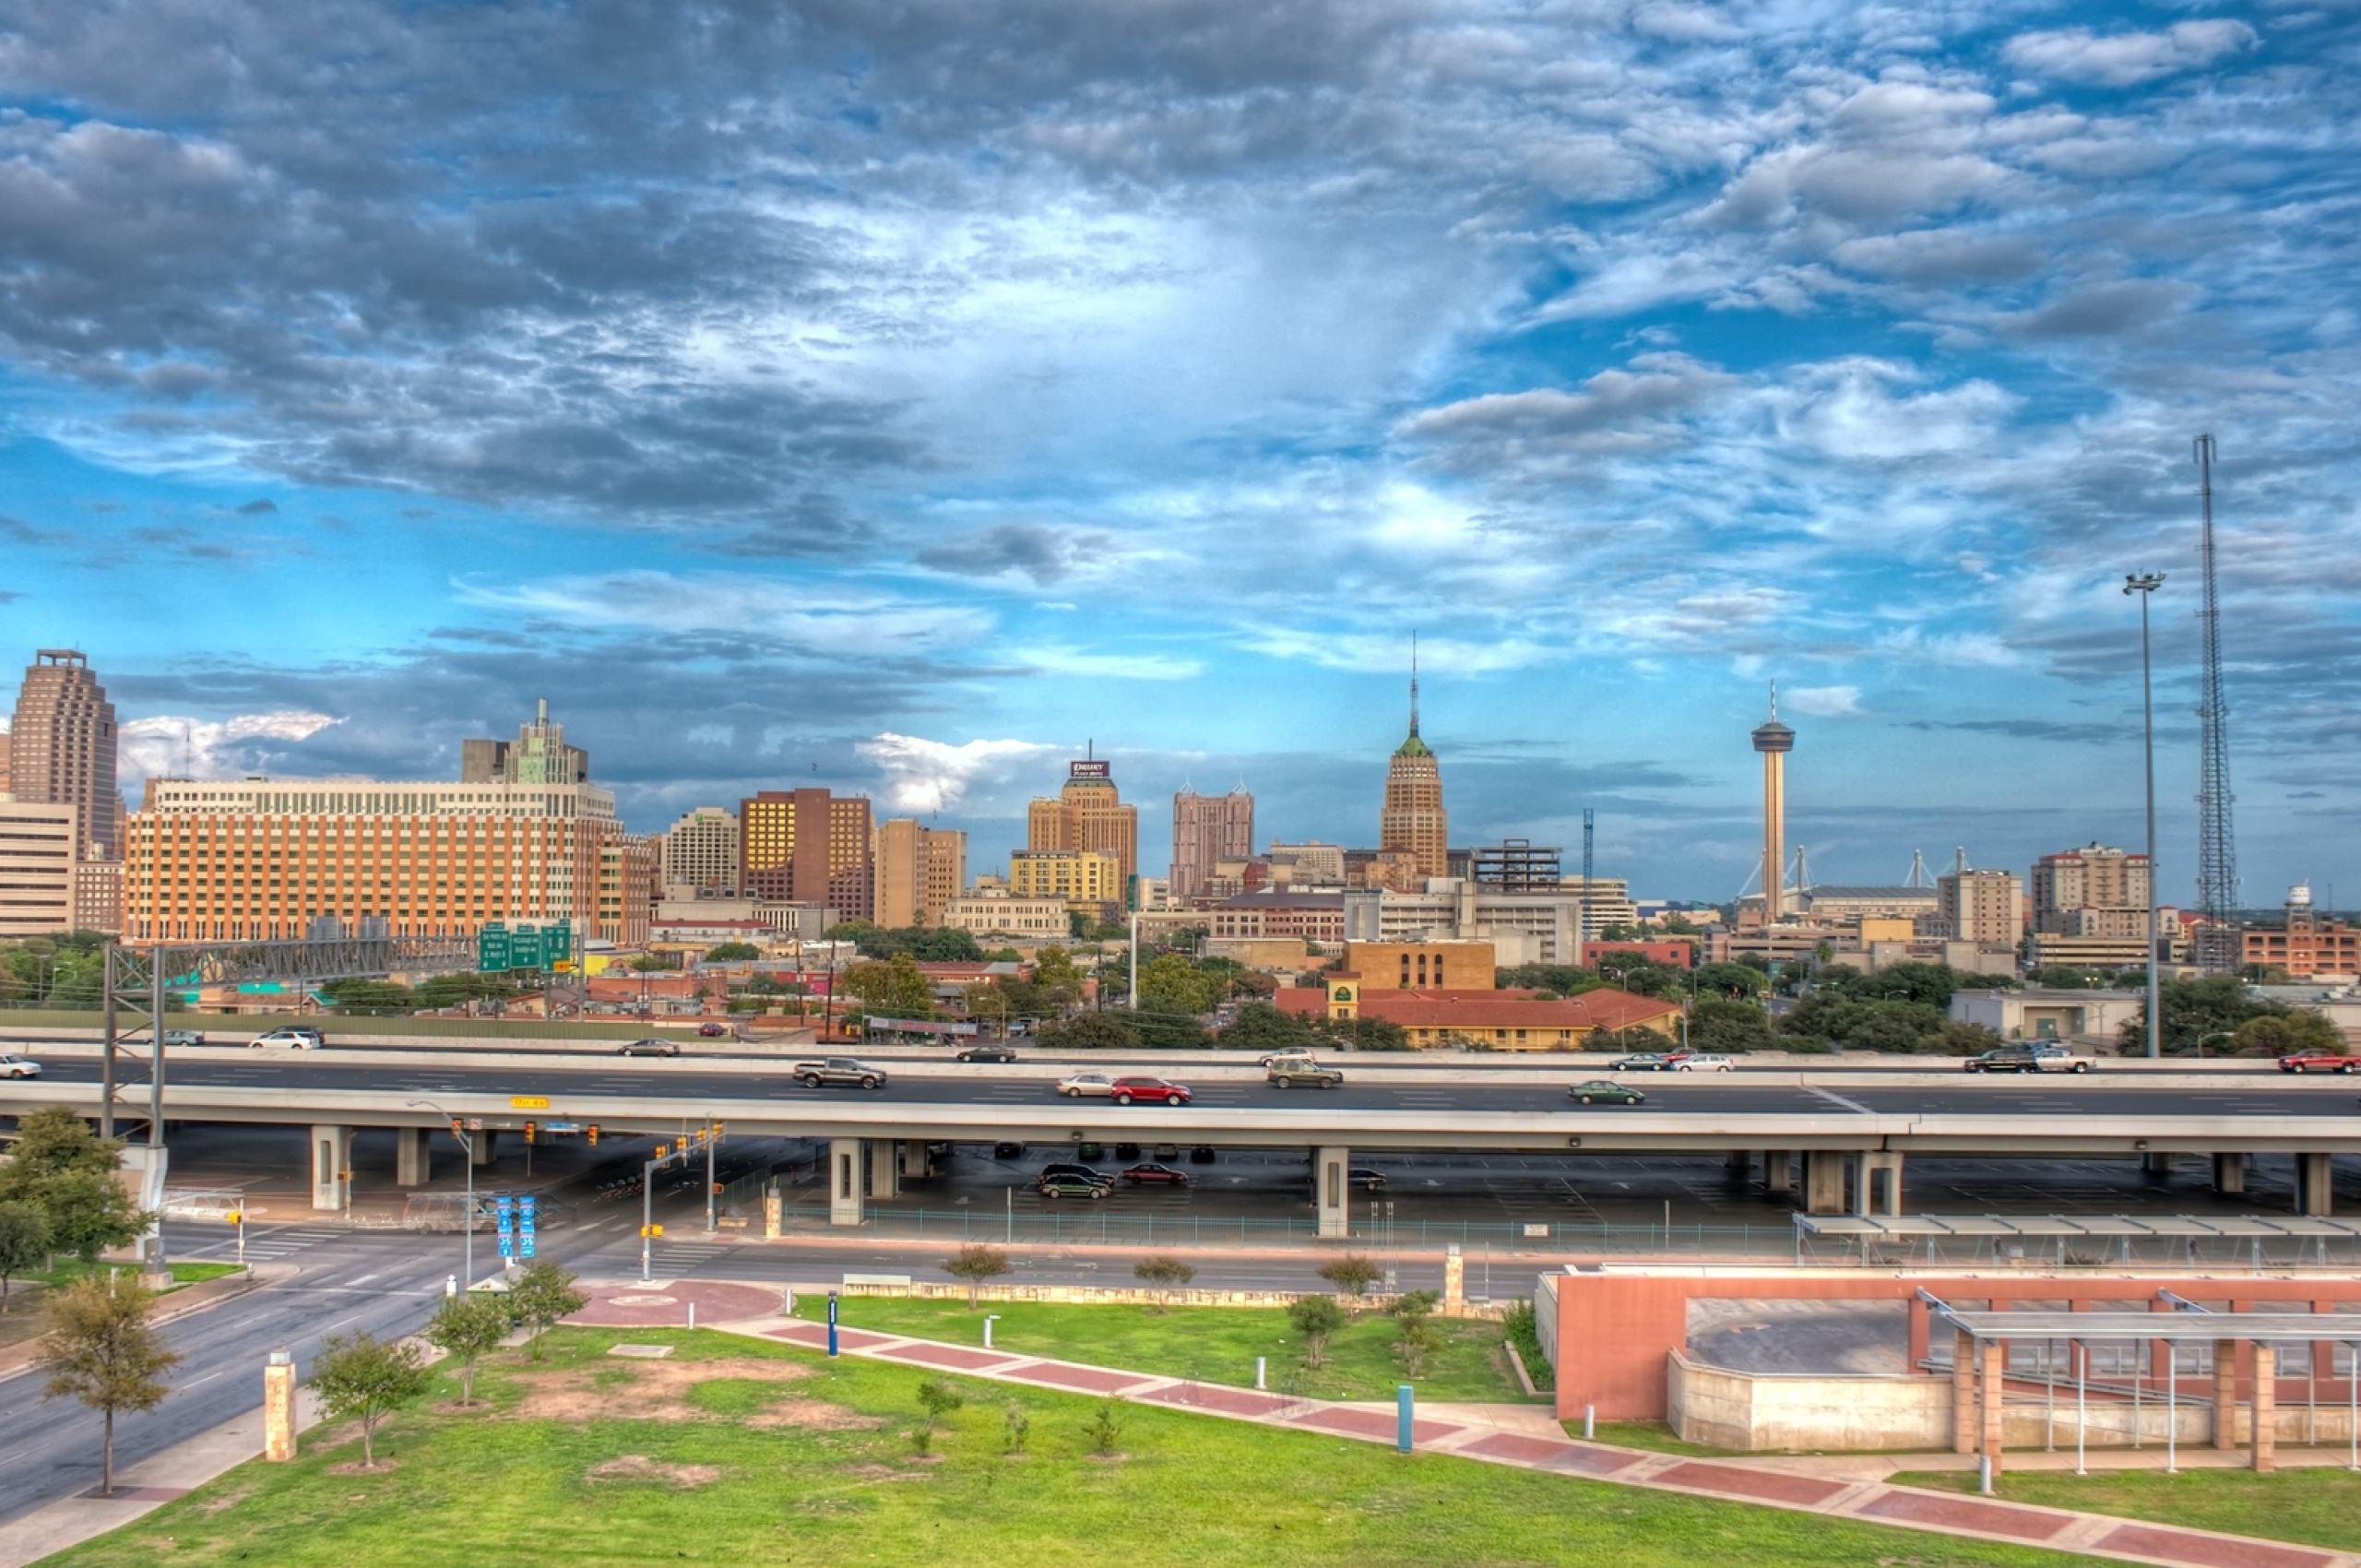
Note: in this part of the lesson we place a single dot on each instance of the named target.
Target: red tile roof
(1604, 1009)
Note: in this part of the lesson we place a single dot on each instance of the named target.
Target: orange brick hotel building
(260, 859)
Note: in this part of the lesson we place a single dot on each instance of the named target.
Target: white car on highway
(1702, 1062)
(292, 1039)
(19, 1067)
(1082, 1084)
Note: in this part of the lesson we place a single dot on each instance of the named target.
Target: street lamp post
(467, 1221)
(2143, 585)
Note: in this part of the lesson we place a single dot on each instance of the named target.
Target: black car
(1008, 1151)
(991, 1052)
(1071, 1187)
(648, 1048)
(1076, 1173)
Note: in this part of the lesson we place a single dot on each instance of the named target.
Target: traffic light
(651, 1230)
(594, 1134)
(232, 1218)
(529, 1130)
(716, 1189)
(664, 1151)
(458, 1128)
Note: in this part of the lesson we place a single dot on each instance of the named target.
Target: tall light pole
(467, 1222)
(2143, 585)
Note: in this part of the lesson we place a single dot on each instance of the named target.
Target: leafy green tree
(2286, 1034)
(1261, 1026)
(466, 1326)
(1677, 924)
(1930, 984)
(1090, 1031)
(102, 1349)
(1316, 1317)
(731, 953)
(1363, 1034)
(61, 1168)
(938, 1398)
(1169, 1031)
(1105, 1428)
(2211, 1009)
(541, 1294)
(897, 988)
(1163, 1273)
(55, 1140)
(1731, 979)
(986, 1000)
(1416, 1340)
(1352, 1272)
(360, 1378)
(1415, 1303)
(1015, 1424)
(1172, 983)
(1566, 979)
(975, 1264)
(25, 1240)
(1726, 1028)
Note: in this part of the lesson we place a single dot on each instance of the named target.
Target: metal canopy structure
(2044, 1226)
(2179, 1327)
(2245, 1241)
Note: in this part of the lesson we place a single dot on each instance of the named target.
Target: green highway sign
(501, 947)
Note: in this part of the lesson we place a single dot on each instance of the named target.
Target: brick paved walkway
(1471, 1437)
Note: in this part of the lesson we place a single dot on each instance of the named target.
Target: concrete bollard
(1257, 1372)
(1590, 1422)
(278, 1407)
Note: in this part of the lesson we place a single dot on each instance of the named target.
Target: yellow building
(1086, 879)
(1413, 821)
(1088, 814)
(919, 871)
(1420, 965)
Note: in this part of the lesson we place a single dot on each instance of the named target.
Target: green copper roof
(1413, 747)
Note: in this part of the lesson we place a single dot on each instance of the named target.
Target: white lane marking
(1834, 1099)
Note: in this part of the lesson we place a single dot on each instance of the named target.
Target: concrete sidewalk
(1510, 1435)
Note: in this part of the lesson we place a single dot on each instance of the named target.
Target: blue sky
(902, 398)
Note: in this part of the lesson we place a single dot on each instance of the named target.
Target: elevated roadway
(1853, 1131)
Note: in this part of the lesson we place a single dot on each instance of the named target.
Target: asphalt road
(2047, 1094)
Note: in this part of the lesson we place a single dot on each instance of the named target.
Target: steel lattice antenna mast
(2218, 944)
(1584, 916)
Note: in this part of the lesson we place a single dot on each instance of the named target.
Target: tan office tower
(1413, 821)
(699, 855)
(1088, 814)
(1775, 741)
(1207, 830)
(807, 845)
(1982, 906)
(62, 745)
(919, 871)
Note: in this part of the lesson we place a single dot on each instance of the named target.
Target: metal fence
(1208, 1230)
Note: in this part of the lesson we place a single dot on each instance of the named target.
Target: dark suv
(2028, 1058)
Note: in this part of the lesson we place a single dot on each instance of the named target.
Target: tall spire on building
(1414, 683)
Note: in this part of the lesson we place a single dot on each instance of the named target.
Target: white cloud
(171, 747)
(844, 621)
(1055, 660)
(931, 776)
(2077, 54)
(1823, 702)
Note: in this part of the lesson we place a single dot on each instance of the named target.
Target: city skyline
(929, 425)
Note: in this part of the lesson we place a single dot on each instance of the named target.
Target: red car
(1138, 1174)
(712, 1031)
(1122, 1091)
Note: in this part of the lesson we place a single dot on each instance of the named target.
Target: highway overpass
(1853, 1132)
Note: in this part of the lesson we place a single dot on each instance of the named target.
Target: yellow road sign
(528, 1102)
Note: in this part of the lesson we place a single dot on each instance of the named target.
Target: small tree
(1316, 1317)
(540, 1295)
(365, 1380)
(1414, 1304)
(25, 1240)
(1162, 1274)
(1016, 1425)
(467, 1326)
(975, 1264)
(939, 1398)
(1417, 1340)
(1352, 1272)
(1106, 1427)
(102, 1349)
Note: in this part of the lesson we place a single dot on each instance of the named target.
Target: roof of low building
(1603, 1009)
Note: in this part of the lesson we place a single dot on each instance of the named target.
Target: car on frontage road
(1070, 1187)
(2027, 1058)
(1155, 1091)
(2319, 1062)
(1646, 1062)
(1152, 1172)
(650, 1047)
(845, 1072)
(712, 1031)
(1605, 1091)
(1704, 1061)
(175, 1038)
(991, 1051)
(1286, 1072)
(19, 1067)
(288, 1039)
(1079, 1172)
(1077, 1086)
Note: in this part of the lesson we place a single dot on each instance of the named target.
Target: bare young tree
(976, 1264)
(1163, 1273)
(102, 1348)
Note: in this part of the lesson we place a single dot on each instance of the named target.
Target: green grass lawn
(1210, 1344)
(820, 1472)
(2318, 1506)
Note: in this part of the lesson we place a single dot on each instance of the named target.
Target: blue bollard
(832, 1323)
(1402, 1407)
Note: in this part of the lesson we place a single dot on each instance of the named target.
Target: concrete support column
(1778, 1172)
(1740, 1162)
(884, 1168)
(912, 1162)
(844, 1180)
(2226, 1394)
(486, 1145)
(2264, 1456)
(1332, 1170)
(2315, 1185)
(331, 1157)
(1995, 1392)
(413, 1156)
(2157, 1166)
(1871, 1195)
(1824, 1181)
(2229, 1172)
(1963, 1392)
